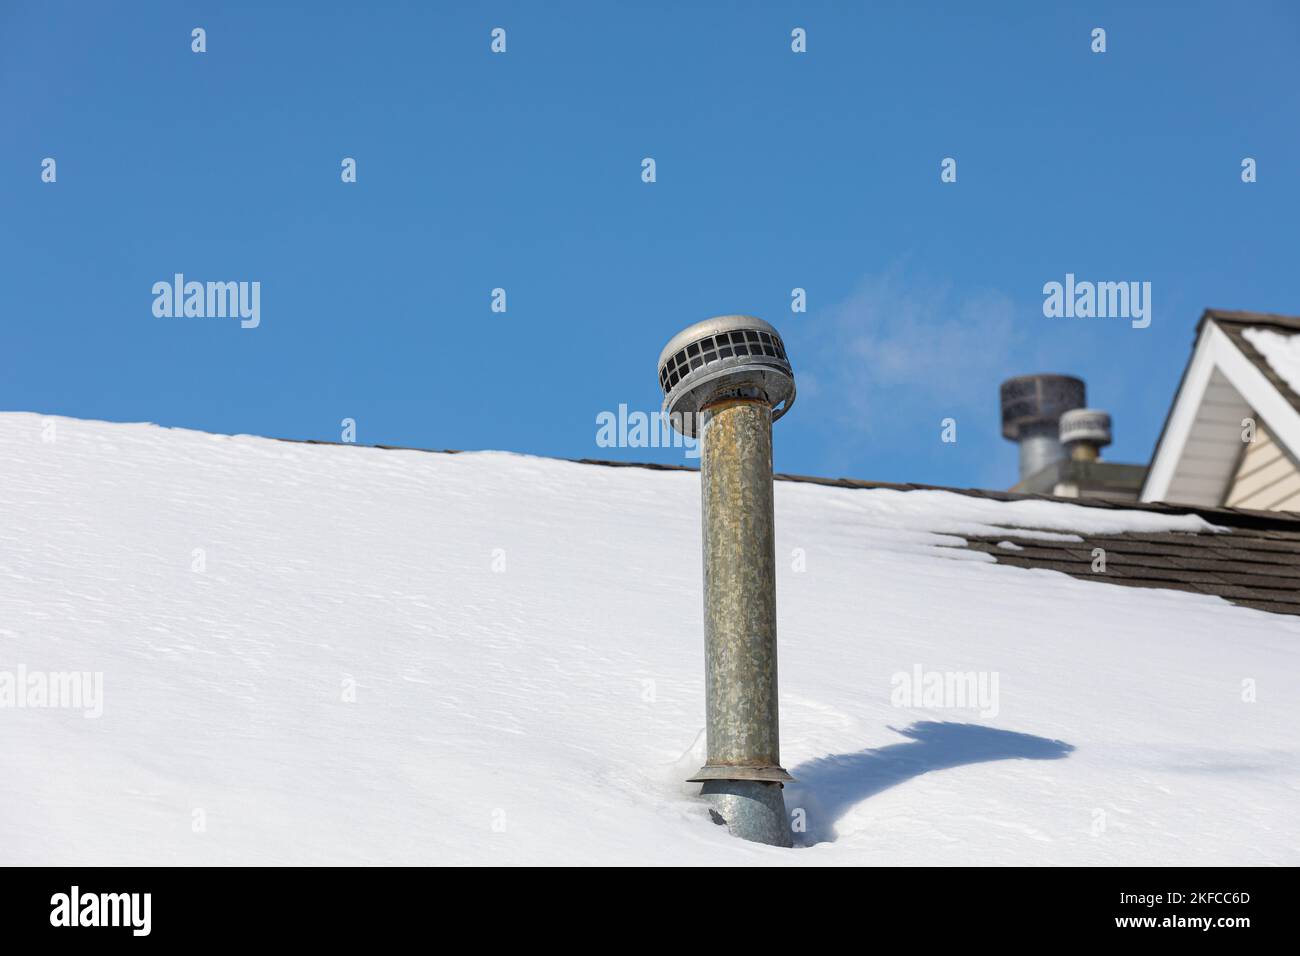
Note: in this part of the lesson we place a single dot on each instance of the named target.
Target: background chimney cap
(1038, 399)
(1089, 425)
(725, 353)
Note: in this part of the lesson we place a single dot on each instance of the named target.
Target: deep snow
(523, 637)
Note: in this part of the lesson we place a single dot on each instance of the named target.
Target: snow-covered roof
(1243, 365)
(316, 654)
(1280, 352)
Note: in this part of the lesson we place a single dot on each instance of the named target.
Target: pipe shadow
(828, 787)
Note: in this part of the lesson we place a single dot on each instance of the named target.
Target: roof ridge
(1238, 317)
(1236, 517)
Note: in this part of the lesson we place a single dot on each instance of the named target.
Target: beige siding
(1266, 478)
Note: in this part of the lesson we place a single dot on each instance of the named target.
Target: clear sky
(523, 171)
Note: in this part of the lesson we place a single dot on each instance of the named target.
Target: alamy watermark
(1102, 300)
(209, 300)
(958, 690)
(67, 690)
(626, 429)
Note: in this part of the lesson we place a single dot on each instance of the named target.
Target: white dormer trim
(1214, 360)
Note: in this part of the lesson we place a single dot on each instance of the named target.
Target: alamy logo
(1103, 300)
(68, 690)
(642, 430)
(209, 300)
(946, 689)
(102, 909)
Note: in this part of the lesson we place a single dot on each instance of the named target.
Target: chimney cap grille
(1038, 400)
(720, 354)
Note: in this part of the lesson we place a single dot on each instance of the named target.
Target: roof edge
(1239, 317)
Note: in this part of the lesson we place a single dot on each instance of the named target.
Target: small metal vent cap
(1038, 400)
(1090, 425)
(724, 354)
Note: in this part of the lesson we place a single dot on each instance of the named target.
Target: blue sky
(523, 171)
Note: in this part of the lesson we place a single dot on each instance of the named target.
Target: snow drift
(316, 654)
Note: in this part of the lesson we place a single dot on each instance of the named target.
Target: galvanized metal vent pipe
(725, 380)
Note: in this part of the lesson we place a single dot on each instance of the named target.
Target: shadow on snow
(830, 786)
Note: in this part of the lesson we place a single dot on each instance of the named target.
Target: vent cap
(719, 356)
(1036, 400)
(1087, 425)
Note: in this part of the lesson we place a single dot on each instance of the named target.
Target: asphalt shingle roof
(1255, 564)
